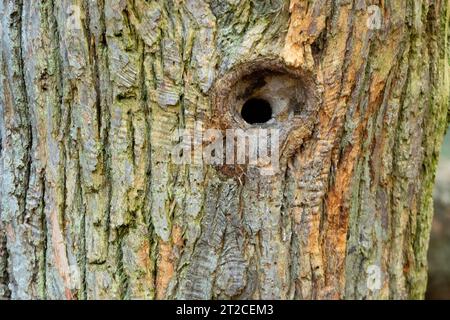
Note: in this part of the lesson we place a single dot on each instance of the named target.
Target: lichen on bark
(92, 207)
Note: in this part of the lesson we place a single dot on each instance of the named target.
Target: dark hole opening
(256, 111)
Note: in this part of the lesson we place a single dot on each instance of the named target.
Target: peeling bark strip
(92, 92)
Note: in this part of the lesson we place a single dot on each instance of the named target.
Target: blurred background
(439, 252)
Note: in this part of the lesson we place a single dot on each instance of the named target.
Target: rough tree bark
(91, 92)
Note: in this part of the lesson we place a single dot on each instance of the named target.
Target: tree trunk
(91, 93)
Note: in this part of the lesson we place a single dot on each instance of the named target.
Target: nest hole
(256, 111)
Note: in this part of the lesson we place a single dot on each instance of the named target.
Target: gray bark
(93, 208)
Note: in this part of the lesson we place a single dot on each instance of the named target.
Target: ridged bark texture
(93, 208)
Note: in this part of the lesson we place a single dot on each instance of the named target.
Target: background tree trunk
(91, 92)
